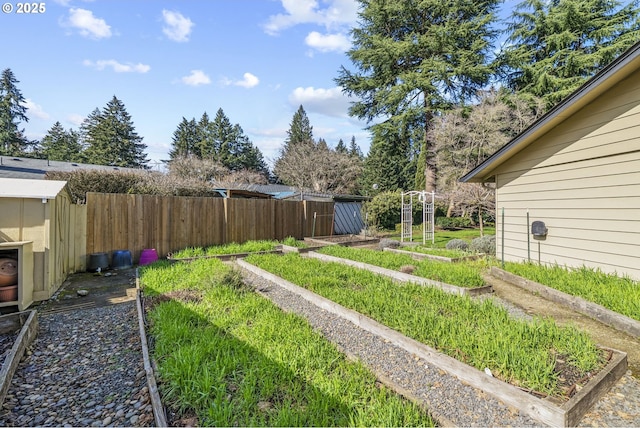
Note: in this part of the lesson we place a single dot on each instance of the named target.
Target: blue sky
(258, 60)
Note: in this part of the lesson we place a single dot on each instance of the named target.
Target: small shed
(35, 225)
(568, 187)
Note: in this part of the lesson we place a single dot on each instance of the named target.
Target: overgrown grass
(293, 242)
(231, 248)
(441, 237)
(478, 333)
(463, 275)
(619, 294)
(235, 359)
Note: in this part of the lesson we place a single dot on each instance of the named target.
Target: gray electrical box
(538, 230)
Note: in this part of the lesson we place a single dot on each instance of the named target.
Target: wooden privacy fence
(170, 223)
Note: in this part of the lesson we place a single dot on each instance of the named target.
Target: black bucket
(98, 260)
(121, 259)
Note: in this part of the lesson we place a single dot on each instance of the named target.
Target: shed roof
(612, 74)
(31, 189)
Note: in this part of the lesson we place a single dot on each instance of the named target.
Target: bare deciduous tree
(314, 167)
(466, 136)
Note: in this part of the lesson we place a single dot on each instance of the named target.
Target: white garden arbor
(427, 200)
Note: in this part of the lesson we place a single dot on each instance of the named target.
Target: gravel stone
(83, 364)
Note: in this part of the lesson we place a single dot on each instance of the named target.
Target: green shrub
(453, 222)
(457, 244)
(384, 210)
(485, 244)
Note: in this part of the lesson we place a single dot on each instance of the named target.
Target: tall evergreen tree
(113, 140)
(415, 58)
(222, 138)
(186, 140)
(354, 149)
(555, 46)
(341, 147)
(12, 112)
(61, 145)
(300, 129)
(387, 165)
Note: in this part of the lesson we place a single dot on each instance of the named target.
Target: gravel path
(84, 368)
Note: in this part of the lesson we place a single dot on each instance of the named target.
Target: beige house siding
(582, 179)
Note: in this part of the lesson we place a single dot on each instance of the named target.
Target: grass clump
(619, 294)
(478, 333)
(462, 275)
(231, 248)
(293, 242)
(234, 359)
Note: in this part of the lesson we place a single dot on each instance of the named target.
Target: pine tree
(415, 59)
(186, 140)
(12, 112)
(341, 147)
(555, 46)
(112, 139)
(61, 145)
(354, 149)
(300, 130)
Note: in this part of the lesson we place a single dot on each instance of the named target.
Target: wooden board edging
(28, 332)
(405, 277)
(592, 310)
(595, 388)
(538, 409)
(422, 256)
(156, 402)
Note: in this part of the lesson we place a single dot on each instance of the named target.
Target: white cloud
(87, 24)
(117, 66)
(328, 42)
(196, 78)
(75, 119)
(248, 81)
(35, 110)
(329, 102)
(177, 27)
(338, 13)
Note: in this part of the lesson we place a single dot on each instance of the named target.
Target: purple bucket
(148, 255)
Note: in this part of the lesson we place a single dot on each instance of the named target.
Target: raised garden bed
(405, 277)
(17, 331)
(229, 357)
(228, 251)
(456, 279)
(223, 257)
(421, 256)
(552, 411)
(593, 310)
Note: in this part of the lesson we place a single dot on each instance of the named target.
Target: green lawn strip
(231, 248)
(478, 333)
(441, 236)
(619, 294)
(235, 359)
(462, 275)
